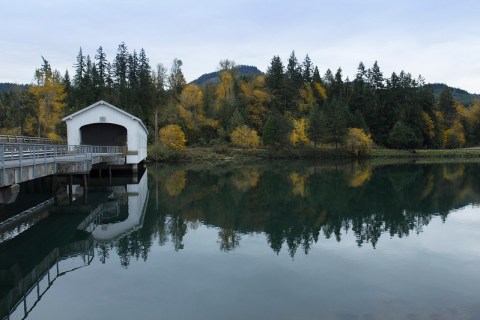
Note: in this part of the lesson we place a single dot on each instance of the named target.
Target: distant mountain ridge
(242, 70)
(460, 95)
(6, 86)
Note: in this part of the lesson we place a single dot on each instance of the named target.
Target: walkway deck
(20, 162)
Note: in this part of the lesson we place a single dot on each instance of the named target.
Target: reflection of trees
(175, 183)
(320, 200)
(245, 178)
(228, 239)
(361, 174)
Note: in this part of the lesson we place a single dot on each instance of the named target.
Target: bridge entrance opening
(103, 134)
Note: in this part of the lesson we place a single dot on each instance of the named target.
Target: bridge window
(103, 134)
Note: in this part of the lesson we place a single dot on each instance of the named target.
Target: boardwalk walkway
(20, 162)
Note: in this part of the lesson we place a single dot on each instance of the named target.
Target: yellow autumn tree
(454, 137)
(243, 136)
(299, 133)
(190, 110)
(359, 143)
(307, 100)
(224, 92)
(173, 137)
(48, 103)
(257, 99)
(428, 126)
(319, 92)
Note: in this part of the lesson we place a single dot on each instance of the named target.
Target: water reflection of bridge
(63, 240)
(26, 293)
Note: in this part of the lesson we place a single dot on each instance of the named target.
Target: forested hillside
(241, 71)
(291, 105)
(462, 96)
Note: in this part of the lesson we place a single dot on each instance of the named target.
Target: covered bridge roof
(101, 102)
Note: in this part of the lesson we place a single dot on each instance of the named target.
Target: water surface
(273, 240)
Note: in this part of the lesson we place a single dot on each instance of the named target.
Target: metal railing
(25, 139)
(16, 156)
(38, 153)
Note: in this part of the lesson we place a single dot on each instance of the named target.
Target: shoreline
(227, 154)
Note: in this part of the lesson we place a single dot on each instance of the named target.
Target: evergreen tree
(403, 136)
(176, 80)
(317, 125)
(146, 91)
(275, 83)
(120, 67)
(102, 66)
(376, 76)
(316, 76)
(294, 81)
(337, 85)
(446, 105)
(336, 122)
(235, 121)
(276, 131)
(328, 78)
(307, 70)
(79, 70)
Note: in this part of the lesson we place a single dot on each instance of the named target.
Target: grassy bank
(427, 153)
(225, 153)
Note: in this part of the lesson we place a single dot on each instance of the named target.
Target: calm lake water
(271, 240)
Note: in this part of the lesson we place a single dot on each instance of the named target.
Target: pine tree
(294, 81)
(79, 70)
(102, 66)
(276, 131)
(176, 80)
(376, 76)
(446, 105)
(275, 84)
(120, 67)
(307, 70)
(317, 125)
(316, 76)
(336, 122)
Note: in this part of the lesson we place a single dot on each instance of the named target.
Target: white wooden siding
(102, 112)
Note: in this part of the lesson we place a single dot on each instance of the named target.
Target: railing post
(20, 151)
(2, 159)
(34, 156)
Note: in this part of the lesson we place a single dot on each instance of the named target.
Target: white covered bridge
(102, 124)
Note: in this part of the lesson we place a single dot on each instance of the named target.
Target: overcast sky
(438, 39)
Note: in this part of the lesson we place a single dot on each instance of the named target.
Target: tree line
(292, 105)
(295, 205)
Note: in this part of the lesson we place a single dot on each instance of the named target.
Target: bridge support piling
(85, 189)
(70, 189)
(54, 189)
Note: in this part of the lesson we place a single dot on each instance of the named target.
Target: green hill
(6, 87)
(242, 71)
(460, 95)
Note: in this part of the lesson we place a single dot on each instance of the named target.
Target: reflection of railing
(15, 225)
(27, 292)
